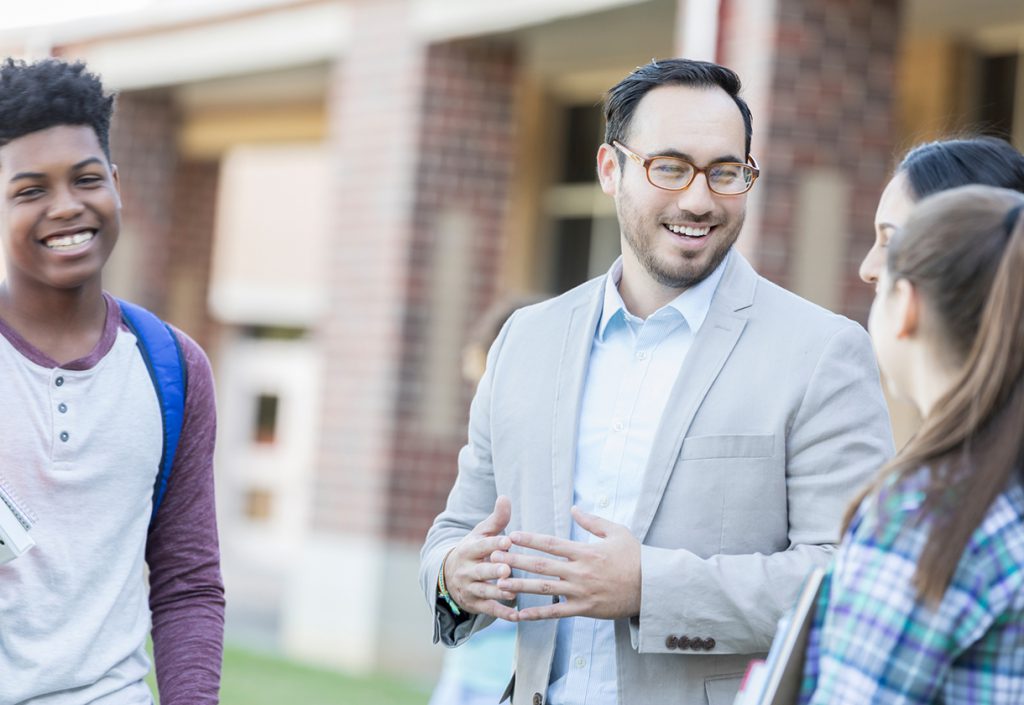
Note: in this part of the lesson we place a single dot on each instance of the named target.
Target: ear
(908, 308)
(117, 181)
(608, 168)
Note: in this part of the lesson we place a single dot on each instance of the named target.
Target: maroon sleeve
(186, 593)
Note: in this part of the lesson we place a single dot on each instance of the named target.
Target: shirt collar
(693, 304)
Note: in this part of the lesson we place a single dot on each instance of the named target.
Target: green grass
(258, 679)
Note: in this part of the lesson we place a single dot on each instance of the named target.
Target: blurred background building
(327, 194)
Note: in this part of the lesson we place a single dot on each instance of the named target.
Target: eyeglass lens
(671, 173)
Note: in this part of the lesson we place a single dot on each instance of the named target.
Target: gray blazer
(775, 420)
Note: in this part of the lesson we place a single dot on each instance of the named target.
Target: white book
(753, 684)
(15, 523)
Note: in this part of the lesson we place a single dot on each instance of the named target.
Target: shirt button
(580, 662)
(641, 355)
(59, 381)
(64, 436)
(62, 408)
(618, 426)
(602, 502)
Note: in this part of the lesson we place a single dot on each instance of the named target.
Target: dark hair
(620, 102)
(945, 164)
(963, 250)
(49, 93)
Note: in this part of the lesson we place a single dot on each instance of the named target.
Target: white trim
(439, 20)
(274, 40)
(698, 35)
(123, 16)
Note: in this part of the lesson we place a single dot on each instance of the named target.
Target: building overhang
(167, 44)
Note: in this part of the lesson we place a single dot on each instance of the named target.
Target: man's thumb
(499, 518)
(591, 522)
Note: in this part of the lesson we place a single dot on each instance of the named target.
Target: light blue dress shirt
(633, 366)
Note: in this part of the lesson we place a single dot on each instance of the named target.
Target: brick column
(420, 140)
(191, 249)
(462, 196)
(375, 109)
(143, 146)
(831, 119)
(348, 581)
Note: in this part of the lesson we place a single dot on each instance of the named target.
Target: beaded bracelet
(442, 591)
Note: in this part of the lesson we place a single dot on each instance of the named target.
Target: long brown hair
(963, 250)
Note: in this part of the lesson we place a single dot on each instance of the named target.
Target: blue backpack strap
(165, 361)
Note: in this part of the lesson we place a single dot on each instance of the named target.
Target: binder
(777, 680)
(15, 523)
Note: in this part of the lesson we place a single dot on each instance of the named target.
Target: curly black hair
(47, 93)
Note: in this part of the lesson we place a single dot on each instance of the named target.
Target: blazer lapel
(572, 373)
(711, 348)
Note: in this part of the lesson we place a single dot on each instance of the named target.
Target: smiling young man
(83, 433)
(657, 458)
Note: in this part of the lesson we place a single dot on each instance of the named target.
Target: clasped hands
(599, 579)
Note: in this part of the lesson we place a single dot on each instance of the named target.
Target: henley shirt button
(64, 436)
(62, 408)
(59, 381)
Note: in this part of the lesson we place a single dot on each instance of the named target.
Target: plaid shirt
(873, 641)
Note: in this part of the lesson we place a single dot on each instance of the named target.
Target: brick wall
(416, 132)
(831, 103)
(168, 216)
(143, 145)
(190, 249)
(466, 154)
(373, 113)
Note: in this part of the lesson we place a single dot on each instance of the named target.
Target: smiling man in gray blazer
(657, 458)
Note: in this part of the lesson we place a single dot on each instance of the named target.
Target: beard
(679, 269)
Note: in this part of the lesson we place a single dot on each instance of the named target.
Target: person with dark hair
(925, 600)
(936, 166)
(658, 457)
(94, 392)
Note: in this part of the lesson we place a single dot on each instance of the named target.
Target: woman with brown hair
(925, 600)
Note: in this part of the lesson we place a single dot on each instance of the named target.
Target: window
(584, 132)
(582, 230)
(996, 94)
(265, 421)
(572, 252)
(258, 504)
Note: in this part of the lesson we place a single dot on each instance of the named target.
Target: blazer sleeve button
(671, 641)
(684, 642)
(709, 644)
